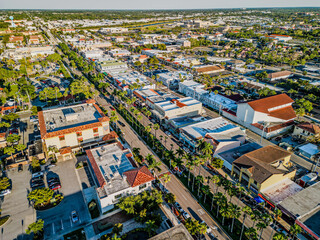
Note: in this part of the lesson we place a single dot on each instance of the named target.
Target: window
(142, 186)
(61, 138)
(95, 130)
(118, 196)
(79, 134)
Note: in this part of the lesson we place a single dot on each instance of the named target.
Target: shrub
(3, 220)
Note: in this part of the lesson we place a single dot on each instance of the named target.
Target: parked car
(185, 215)
(121, 124)
(55, 186)
(208, 228)
(74, 216)
(178, 207)
(5, 192)
(50, 166)
(37, 174)
(20, 168)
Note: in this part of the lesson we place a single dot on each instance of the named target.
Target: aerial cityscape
(136, 121)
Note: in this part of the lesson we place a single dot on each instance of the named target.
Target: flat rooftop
(178, 232)
(162, 98)
(281, 190)
(312, 221)
(225, 102)
(179, 122)
(70, 116)
(169, 105)
(304, 202)
(112, 161)
(216, 125)
(235, 153)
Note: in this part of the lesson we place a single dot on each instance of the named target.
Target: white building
(220, 133)
(172, 79)
(193, 89)
(72, 128)
(268, 116)
(177, 108)
(116, 174)
(111, 65)
(113, 30)
(281, 38)
(92, 54)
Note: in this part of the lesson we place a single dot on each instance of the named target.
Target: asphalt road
(183, 196)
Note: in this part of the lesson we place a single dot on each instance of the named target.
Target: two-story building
(116, 174)
(73, 128)
(263, 167)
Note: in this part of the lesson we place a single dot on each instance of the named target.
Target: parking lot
(17, 206)
(58, 219)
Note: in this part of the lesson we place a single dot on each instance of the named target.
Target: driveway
(57, 220)
(17, 206)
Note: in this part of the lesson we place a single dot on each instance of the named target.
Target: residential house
(305, 130)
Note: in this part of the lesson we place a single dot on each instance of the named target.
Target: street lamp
(265, 124)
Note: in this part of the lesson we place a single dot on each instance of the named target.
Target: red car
(112, 108)
(55, 187)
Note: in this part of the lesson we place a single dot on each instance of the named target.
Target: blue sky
(152, 4)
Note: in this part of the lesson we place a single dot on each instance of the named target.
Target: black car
(20, 168)
(54, 183)
(37, 184)
(54, 179)
(121, 124)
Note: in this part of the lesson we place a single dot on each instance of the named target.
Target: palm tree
(231, 192)
(215, 179)
(247, 211)
(224, 211)
(234, 213)
(251, 233)
(206, 190)
(155, 165)
(256, 215)
(150, 226)
(199, 180)
(295, 230)
(260, 226)
(166, 178)
(279, 236)
(9, 150)
(180, 152)
(220, 199)
(277, 213)
(156, 127)
(189, 166)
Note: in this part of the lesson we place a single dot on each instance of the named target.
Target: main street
(183, 196)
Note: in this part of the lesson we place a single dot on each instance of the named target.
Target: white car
(74, 216)
(5, 192)
(186, 215)
(37, 175)
(208, 228)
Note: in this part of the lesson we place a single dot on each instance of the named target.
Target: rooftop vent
(71, 116)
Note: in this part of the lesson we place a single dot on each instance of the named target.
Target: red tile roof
(286, 113)
(95, 167)
(45, 134)
(312, 128)
(65, 150)
(110, 136)
(138, 176)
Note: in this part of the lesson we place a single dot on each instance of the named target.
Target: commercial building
(92, 54)
(304, 208)
(73, 128)
(268, 116)
(279, 75)
(152, 100)
(113, 30)
(143, 94)
(116, 174)
(210, 69)
(177, 108)
(280, 38)
(119, 52)
(219, 132)
(172, 79)
(111, 65)
(263, 167)
(193, 89)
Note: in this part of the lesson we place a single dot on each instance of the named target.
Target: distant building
(73, 128)
(209, 69)
(172, 79)
(113, 30)
(119, 52)
(15, 39)
(263, 167)
(116, 174)
(279, 75)
(280, 38)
